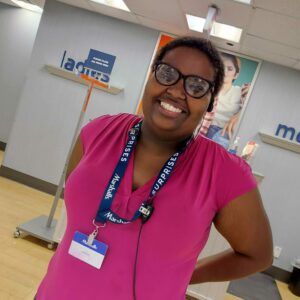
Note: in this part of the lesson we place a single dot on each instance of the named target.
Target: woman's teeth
(170, 107)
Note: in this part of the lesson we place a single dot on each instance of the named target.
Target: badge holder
(87, 249)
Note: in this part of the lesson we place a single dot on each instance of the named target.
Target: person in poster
(220, 124)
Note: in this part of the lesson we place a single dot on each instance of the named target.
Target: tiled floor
(24, 261)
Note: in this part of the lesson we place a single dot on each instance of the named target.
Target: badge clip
(91, 237)
(146, 212)
(94, 234)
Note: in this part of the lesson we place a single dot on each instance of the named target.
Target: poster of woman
(221, 124)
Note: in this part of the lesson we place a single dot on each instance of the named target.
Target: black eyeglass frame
(184, 77)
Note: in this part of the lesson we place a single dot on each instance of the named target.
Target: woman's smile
(169, 110)
(170, 107)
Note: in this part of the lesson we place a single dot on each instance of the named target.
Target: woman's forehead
(228, 62)
(190, 61)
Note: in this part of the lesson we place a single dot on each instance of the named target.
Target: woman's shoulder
(229, 173)
(110, 122)
(106, 126)
(120, 118)
(217, 155)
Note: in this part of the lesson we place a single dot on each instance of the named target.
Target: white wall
(274, 100)
(50, 106)
(18, 29)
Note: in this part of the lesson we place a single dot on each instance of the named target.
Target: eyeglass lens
(194, 86)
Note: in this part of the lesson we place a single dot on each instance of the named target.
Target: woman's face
(230, 71)
(168, 111)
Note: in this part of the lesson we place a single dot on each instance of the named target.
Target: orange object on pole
(88, 96)
(93, 82)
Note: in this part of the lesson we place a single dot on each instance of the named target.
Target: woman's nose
(177, 90)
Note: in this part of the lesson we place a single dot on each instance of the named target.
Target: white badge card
(91, 254)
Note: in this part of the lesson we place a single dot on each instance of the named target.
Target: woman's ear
(153, 67)
(211, 104)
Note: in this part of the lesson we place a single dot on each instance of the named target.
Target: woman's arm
(75, 158)
(230, 125)
(243, 222)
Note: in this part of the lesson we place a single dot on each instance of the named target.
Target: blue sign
(100, 61)
(98, 65)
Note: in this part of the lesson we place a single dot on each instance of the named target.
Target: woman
(148, 192)
(228, 103)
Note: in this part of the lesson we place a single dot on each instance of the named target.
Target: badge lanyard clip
(146, 212)
(94, 234)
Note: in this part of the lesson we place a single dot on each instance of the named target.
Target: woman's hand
(244, 224)
(230, 125)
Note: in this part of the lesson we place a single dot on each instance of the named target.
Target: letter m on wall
(285, 130)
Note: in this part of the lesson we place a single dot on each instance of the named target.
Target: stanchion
(43, 227)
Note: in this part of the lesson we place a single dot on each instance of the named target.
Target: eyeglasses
(194, 86)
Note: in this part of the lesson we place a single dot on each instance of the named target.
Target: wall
(274, 100)
(50, 106)
(18, 29)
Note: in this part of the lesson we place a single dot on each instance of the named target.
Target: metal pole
(63, 175)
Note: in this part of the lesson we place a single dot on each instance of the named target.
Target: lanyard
(104, 213)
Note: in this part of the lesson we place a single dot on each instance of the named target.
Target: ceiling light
(195, 23)
(219, 30)
(113, 3)
(28, 6)
(226, 32)
(244, 1)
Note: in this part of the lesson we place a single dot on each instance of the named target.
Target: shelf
(280, 142)
(258, 176)
(72, 76)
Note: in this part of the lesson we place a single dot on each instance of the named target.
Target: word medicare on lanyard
(104, 213)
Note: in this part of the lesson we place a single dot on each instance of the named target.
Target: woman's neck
(157, 145)
(225, 88)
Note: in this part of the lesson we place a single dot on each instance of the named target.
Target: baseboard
(30, 181)
(278, 274)
(188, 297)
(2, 146)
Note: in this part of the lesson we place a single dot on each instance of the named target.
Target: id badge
(91, 254)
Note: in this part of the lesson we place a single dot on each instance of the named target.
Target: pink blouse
(204, 180)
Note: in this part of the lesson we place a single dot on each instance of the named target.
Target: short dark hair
(204, 46)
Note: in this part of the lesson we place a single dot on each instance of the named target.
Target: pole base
(37, 227)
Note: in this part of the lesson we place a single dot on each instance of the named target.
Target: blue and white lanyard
(104, 213)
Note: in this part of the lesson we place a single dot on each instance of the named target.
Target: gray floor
(255, 287)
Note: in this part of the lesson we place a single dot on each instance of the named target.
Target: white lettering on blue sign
(71, 65)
